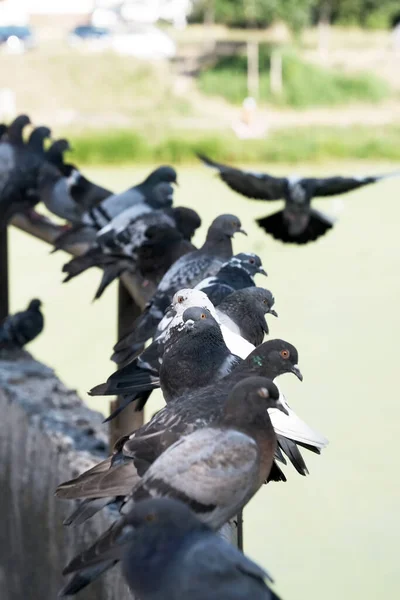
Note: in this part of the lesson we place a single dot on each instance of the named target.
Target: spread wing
(259, 186)
(330, 186)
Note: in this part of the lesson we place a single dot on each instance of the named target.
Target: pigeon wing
(259, 186)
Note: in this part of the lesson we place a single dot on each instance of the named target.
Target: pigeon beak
(262, 271)
(273, 312)
(280, 406)
(297, 372)
(242, 231)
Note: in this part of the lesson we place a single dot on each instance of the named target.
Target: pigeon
(55, 155)
(237, 273)
(154, 192)
(18, 330)
(15, 130)
(199, 565)
(243, 312)
(298, 222)
(57, 191)
(188, 271)
(149, 245)
(134, 454)
(172, 362)
(19, 191)
(11, 142)
(214, 470)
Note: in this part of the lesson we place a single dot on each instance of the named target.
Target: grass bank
(311, 144)
(304, 84)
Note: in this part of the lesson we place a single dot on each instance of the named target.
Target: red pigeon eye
(285, 354)
(180, 299)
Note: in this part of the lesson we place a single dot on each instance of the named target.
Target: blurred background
(284, 86)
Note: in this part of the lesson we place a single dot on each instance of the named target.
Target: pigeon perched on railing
(298, 222)
(18, 330)
(215, 470)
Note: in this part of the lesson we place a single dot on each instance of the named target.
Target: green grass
(335, 533)
(304, 84)
(294, 145)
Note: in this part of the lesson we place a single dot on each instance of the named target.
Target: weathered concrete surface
(47, 435)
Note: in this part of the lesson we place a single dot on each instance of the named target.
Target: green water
(336, 532)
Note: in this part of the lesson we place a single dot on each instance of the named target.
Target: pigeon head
(16, 127)
(251, 397)
(250, 262)
(187, 221)
(164, 174)
(161, 234)
(187, 298)
(34, 304)
(163, 195)
(260, 299)
(198, 319)
(59, 147)
(37, 138)
(224, 226)
(276, 357)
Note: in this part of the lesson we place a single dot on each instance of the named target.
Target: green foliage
(284, 145)
(304, 84)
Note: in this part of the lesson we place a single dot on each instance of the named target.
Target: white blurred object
(150, 11)
(249, 125)
(13, 13)
(103, 17)
(145, 42)
(8, 104)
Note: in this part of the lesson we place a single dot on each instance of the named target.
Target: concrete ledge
(47, 435)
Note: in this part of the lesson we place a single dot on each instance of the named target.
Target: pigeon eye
(265, 301)
(285, 354)
(252, 261)
(203, 316)
(180, 299)
(263, 393)
(150, 517)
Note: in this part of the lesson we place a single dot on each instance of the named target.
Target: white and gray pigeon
(68, 195)
(186, 272)
(298, 222)
(215, 470)
(237, 273)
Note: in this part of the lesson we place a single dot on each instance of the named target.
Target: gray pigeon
(186, 272)
(154, 192)
(18, 191)
(215, 470)
(237, 273)
(18, 330)
(200, 564)
(298, 222)
(244, 313)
